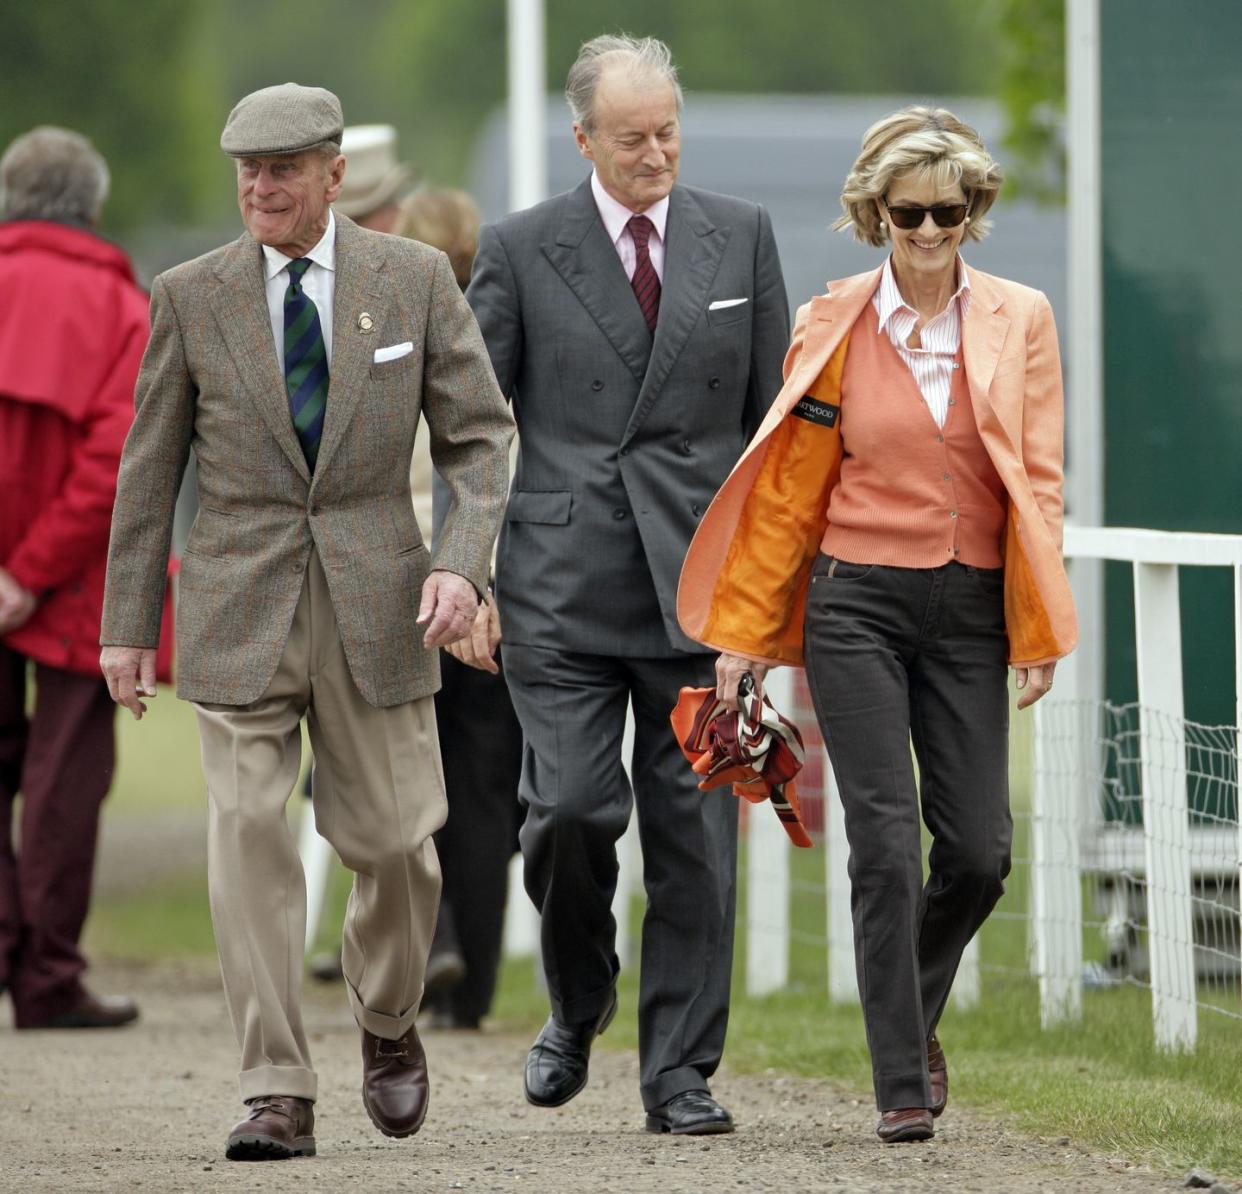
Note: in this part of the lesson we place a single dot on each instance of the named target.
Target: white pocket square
(393, 351)
(721, 304)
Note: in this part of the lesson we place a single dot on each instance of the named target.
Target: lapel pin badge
(365, 323)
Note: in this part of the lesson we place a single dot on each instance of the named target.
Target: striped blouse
(932, 365)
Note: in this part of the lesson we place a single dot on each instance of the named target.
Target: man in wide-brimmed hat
(297, 361)
(376, 181)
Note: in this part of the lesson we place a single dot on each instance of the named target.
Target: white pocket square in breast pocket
(721, 304)
(393, 351)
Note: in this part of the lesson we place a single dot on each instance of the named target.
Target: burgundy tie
(646, 281)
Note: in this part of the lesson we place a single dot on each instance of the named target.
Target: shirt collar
(888, 300)
(324, 253)
(616, 215)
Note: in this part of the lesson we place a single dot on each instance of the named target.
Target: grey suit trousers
(378, 796)
(894, 654)
(578, 800)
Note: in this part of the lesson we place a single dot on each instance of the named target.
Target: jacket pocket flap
(549, 507)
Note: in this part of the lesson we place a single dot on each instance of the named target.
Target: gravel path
(147, 1108)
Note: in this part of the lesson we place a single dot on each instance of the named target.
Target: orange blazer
(744, 581)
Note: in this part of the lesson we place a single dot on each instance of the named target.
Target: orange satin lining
(1031, 639)
(760, 595)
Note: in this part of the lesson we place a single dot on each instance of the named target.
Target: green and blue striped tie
(306, 362)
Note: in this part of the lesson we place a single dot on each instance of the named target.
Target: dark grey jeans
(894, 654)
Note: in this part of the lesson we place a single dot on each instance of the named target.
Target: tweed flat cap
(283, 119)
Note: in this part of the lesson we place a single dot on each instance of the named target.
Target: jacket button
(714, 384)
(597, 385)
(618, 514)
(952, 513)
(685, 447)
(940, 439)
(625, 451)
(696, 509)
(946, 477)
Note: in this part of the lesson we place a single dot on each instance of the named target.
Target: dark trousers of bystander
(481, 748)
(60, 758)
(894, 655)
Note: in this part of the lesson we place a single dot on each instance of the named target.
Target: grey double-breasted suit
(624, 439)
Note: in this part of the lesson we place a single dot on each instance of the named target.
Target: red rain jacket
(73, 327)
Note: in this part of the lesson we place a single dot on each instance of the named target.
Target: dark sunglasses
(909, 218)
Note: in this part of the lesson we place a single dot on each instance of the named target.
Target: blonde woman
(895, 526)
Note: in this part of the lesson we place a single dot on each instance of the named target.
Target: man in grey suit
(296, 362)
(638, 328)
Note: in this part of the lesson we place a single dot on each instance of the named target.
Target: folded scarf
(755, 749)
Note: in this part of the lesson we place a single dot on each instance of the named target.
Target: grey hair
(643, 57)
(52, 173)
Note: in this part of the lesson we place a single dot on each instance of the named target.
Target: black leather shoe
(556, 1066)
(691, 1113)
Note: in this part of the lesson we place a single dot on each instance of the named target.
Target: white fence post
(1166, 829)
(842, 972)
(1056, 886)
(1237, 679)
(967, 983)
(629, 863)
(767, 878)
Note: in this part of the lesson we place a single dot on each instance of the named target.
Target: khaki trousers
(378, 798)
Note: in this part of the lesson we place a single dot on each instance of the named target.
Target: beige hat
(283, 119)
(373, 176)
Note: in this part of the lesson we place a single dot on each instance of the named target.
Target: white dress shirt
(318, 284)
(933, 363)
(616, 216)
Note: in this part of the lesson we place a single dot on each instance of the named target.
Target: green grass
(1101, 1082)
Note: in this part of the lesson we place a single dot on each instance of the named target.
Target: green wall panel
(1171, 137)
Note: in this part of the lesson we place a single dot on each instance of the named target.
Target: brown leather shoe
(938, 1071)
(395, 1089)
(908, 1123)
(94, 1011)
(277, 1128)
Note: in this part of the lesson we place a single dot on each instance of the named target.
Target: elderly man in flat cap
(296, 362)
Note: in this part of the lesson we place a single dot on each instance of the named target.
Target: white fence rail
(1159, 888)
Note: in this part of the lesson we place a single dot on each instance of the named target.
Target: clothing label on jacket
(815, 411)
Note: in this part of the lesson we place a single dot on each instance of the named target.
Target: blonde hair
(447, 220)
(930, 143)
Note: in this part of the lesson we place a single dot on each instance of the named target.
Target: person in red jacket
(73, 326)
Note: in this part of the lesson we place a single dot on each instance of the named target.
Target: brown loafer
(395, 1089)
(908, 1123)
(277, 1128)
(938, 1071)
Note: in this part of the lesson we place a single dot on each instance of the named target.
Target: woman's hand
(1035, 680)
(729, 671)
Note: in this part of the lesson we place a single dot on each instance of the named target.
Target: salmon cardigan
(744, 581)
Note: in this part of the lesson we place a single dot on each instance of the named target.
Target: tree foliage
(1032, 93)
(151, 81)
(132, 79)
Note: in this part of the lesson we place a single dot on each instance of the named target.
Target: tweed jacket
(623, 436)
(743, 586)
(210, 381)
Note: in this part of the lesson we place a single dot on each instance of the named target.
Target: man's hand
(17, 603)
(730, 669)
(1035, 680)
(448, 608)
(478, 648)
(130, 672)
